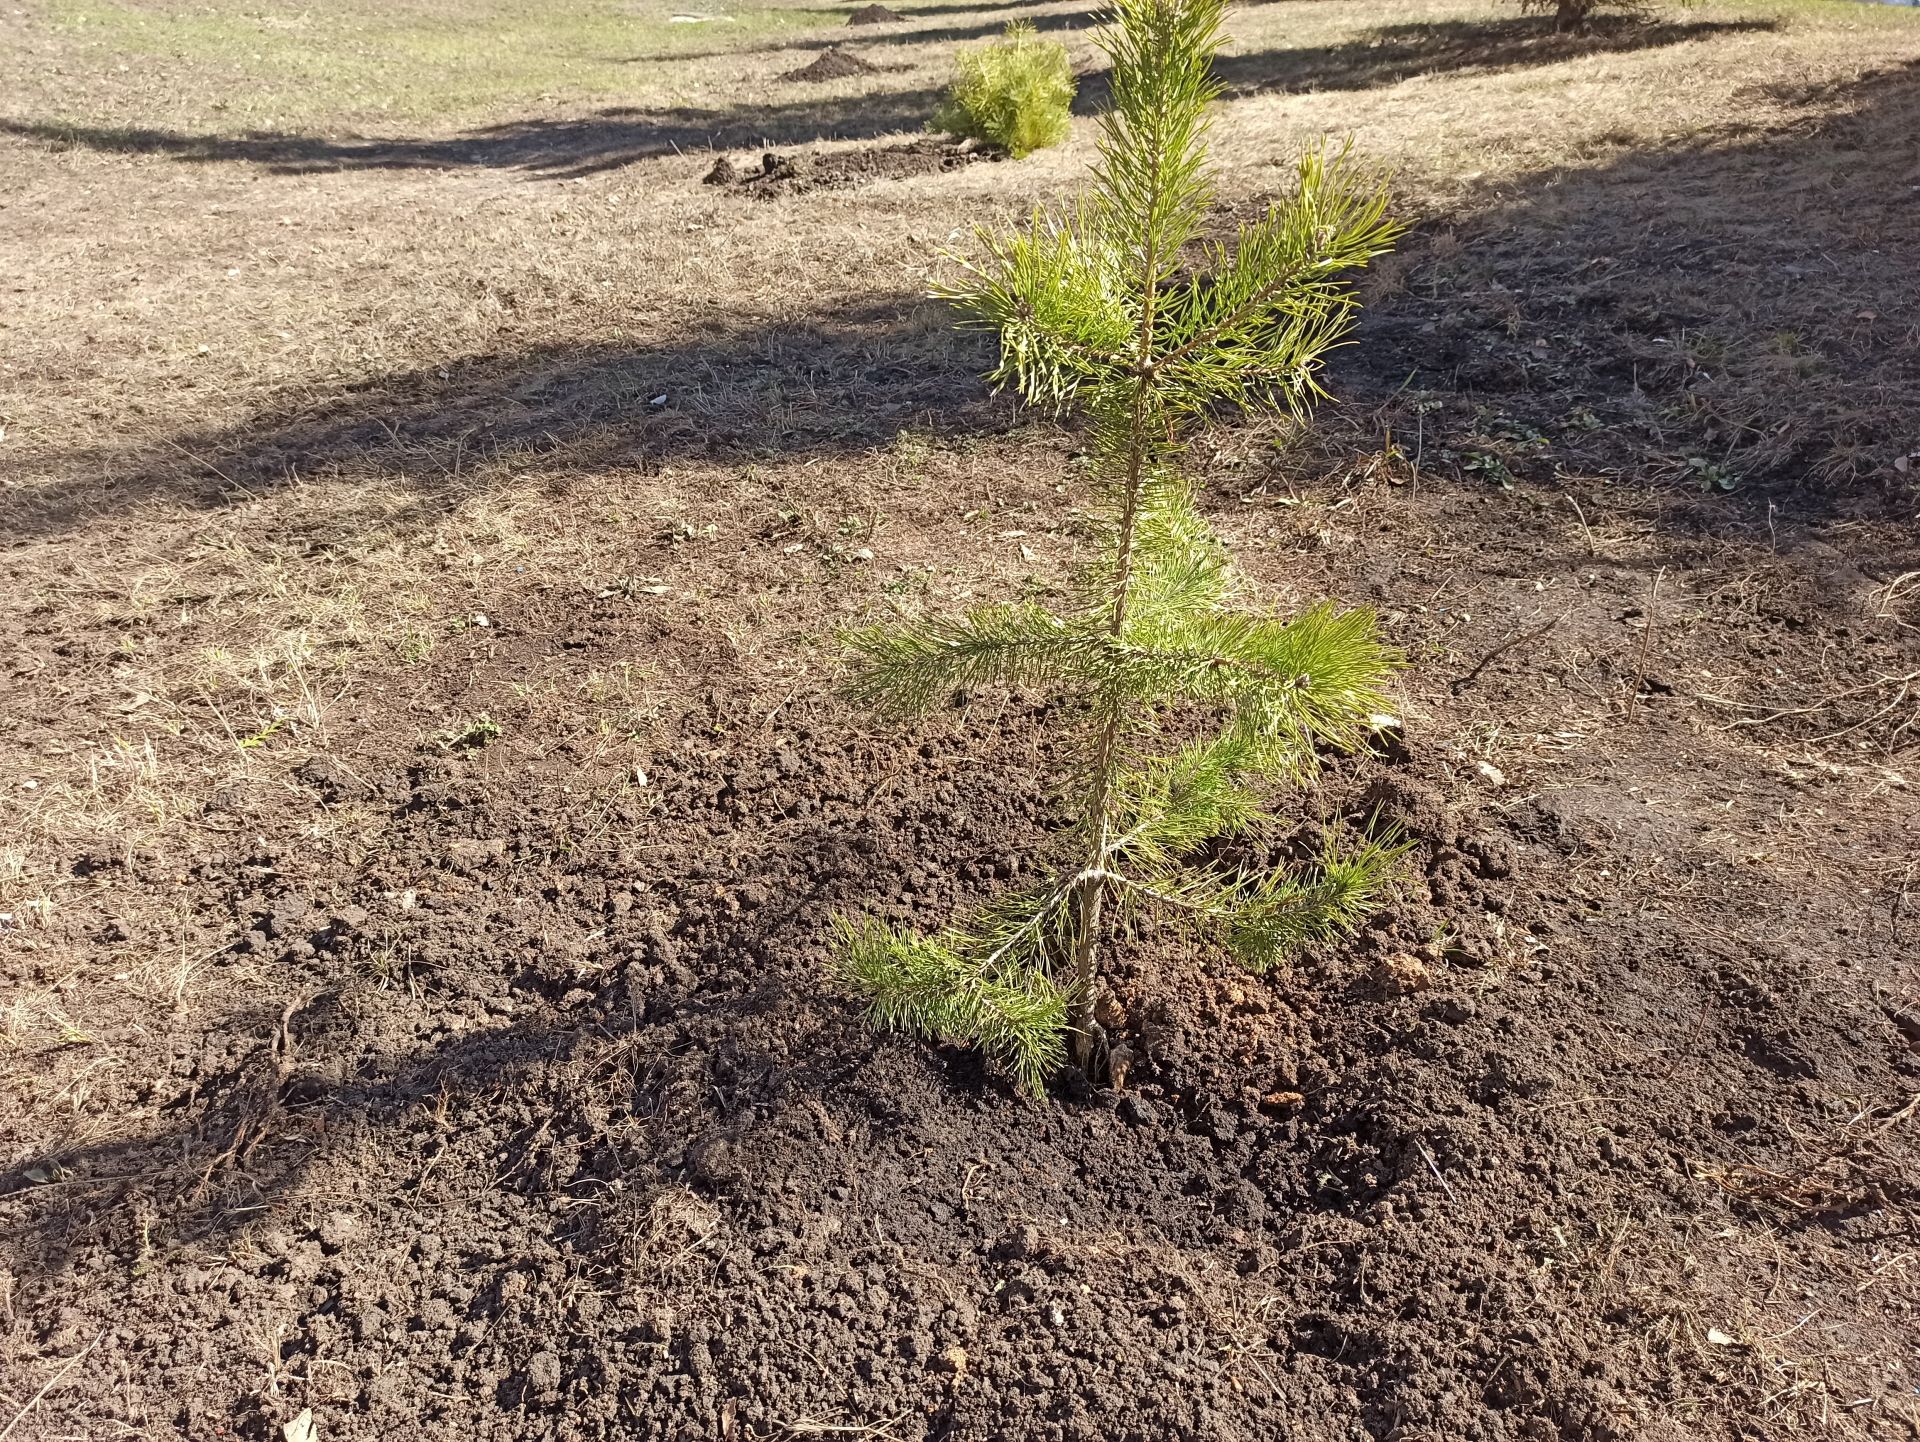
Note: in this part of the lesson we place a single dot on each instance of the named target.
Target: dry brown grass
(178, 330)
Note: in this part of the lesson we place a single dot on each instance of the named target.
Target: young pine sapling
(1120, 310)
(1016, 93)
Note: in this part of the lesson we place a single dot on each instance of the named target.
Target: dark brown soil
(581, 1149)
(804, 171)
(833, 63)
(874, 15)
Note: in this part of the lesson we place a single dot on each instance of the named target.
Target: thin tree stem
(1080, 1016)
(1092, 891)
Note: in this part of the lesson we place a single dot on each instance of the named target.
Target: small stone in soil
(1401, 974)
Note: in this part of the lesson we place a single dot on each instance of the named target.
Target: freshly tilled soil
(833, 63)
(803, 171)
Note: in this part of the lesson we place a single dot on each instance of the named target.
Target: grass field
(423, 500)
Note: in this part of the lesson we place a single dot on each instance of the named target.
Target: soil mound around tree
(833, 63)
(594, 1154)
(803, 171)
(874, 15)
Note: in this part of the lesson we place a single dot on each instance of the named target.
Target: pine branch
(1152, 182)
(1062, 319)
(929, 987)
(909, 667)
(1266, 309)
(1264, 919)
(1281, 914)
(1180, 566)
(1312, 679)
(1170, 806)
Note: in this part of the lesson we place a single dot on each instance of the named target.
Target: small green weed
(1713, 475)
(414, 646)
(470, 734)
(1489, 467)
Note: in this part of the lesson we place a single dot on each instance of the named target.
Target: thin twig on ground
(1434, 1167)
(1460, 683)
(1646, 640)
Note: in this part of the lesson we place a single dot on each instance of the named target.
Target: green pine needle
(1283, 913)
(928, 987)
(904, 669)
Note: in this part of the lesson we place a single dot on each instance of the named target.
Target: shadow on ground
(1727, 312)
(556, 149)
(333, 1062)
(1738, 308)
(873, 41)
(1394, 53)
(738, 386)
(1732, 310)
(297, 1098)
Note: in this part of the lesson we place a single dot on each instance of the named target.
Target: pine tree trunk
(1087, 907)
(1090, 894)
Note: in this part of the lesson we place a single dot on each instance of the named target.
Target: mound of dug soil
(798, 173)
(833, 64)
(874, 15)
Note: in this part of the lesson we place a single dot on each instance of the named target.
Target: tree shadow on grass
(552, 149)
(1757, 281)
(1383, 56)
(1391, 54)
(875, 39)
(1736, 313)
(960, 7)
(733, 386)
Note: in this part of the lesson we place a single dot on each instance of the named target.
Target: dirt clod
(797, 173)
(335, 782)
(833, 63)
(1401, 975)
(874, 15)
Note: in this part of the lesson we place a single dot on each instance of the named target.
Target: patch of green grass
(408, 59)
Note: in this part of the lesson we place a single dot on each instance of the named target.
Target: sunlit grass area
(273, 66)
(234, 66)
